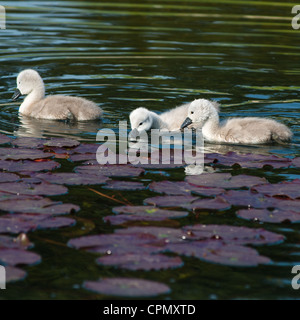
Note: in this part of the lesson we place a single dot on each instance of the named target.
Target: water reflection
(30, 127)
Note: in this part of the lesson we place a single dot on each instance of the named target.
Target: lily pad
(124, 185)
(13, 257)
(233, 234)
(110, 170)
(264, 215)
(82, 157)
(22, 154)
(4, 139)
(170, 201)
(87, 148)
(28, 165)
(225, 180)
(15, 242)
(62, 143)
(39, 205)
(218, 252)
(289, 189)
(217, 203)
(132, 261)
(296, 162)
(8, 177)
(14, 274)
(127, 287)
(149, 211)
(23, 188)
(70, 178)
(28, 142)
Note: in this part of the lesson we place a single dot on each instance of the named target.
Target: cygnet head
(27, 81)
(199, 112)
(141, 119)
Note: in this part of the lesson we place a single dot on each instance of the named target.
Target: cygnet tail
(282, 134)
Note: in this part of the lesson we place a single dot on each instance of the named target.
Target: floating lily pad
(217, 203)
(29, 222)
(149, 211)
(62, 143)
(117, 243)
(245, 198)
(264, 215)
(87, 148)
(235, 235)
(15, 242)
(13, 257)
(170, 201)
(27, 165)
(22, 154)
(124, 185)
(23, 188)
(71, 178)
(289, 189)
(82, 157)
(132, 261)
(218, 252)
(178, 188)
(110, 170)
(127, 287)
(4, 139)
(39, 205)
(296, 162)
(14, 274)
(248, 160)
(29, 142)
(8, 177)
(225, 180)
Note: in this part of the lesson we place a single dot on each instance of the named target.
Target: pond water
(155, 54)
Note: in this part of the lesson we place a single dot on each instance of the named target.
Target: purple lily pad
(232, 234)
(149, 211)
(165, 235)
(132, 261)
(8, 177)
(248, 160)
(124, 185)
(218, 252)
(225, 180)
(170, 201)
(14, 274)
(127, 287)
(117, 243)
(110, 170)
(15, 243)
(296, 162)
(13, 257)
(71, 178)
(4, 139)
(264, 215)
(61, 143)
(23, 188)
(182, 188)
(292, 205)
(22, 154)
(29, 222)
(28, 142)
(217, 203)
(82, 157)
(86, 148)
(27, 165)
(39, 205)
(289, 189)
(245, 198)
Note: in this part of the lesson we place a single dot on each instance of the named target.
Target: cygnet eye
(192, 112)
(140, 123)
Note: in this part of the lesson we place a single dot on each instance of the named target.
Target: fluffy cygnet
(56, 107)
(203, 114)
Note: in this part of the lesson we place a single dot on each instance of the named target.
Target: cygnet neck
(37, 94)
(157, 123)
(212, 125)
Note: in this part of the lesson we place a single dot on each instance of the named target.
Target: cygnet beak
(186, 123)
(16, 95)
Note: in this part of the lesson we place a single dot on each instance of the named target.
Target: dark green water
(155, 54)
